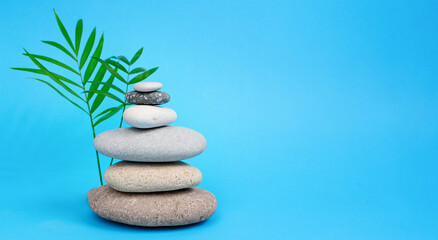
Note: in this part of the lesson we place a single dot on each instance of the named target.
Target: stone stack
(151, 187)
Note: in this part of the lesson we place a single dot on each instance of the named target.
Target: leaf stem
(91, 121)
(124, 106)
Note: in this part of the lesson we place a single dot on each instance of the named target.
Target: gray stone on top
(147, 98)
(127, 176)
(160, 209)
(147, 86)
(163, 144)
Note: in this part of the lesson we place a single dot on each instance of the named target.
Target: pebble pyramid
(151, 187)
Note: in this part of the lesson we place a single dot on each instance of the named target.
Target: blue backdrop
(320, 116)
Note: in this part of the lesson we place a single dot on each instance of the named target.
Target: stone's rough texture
(147, 86)
(144, 116)
(147, 98)
(163, 144)
(173, 208)
(152, 177)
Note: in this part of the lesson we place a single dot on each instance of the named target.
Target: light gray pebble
(162, 144)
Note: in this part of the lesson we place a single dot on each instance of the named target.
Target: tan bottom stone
(173, 208)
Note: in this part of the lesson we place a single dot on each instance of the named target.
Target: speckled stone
(147, 86)
(145, 116)
(147, 98)
(163, 144)
(172, 208)
(152, 177)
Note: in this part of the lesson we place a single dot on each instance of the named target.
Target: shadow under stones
(119, 226)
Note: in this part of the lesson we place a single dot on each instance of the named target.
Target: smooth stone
(160, 209)
(163, 144)
(144, 116)
(152, 177)
(147, 98)
(147, 86)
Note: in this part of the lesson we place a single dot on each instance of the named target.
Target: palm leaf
(97, 80)
(60, 93)
(108, 110)
(64, 31)
(136, 56)
(99, 99)
(87, 49)
(107, 94)
(93, 61)
(123, 59)
(56, 62)
(112, 70)
(52, 76)
(105, 117)
(118, 89)
(115, 88)
(143, 76)
(78, 35)
(39, 71)
(137, 70)
(112, 86)
(117, 65)
(60, 47)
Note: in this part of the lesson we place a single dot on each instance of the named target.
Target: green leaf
(105, 117)
(107, 94)
(116, 88)
(60, 47)
(93, 61)
(87, 49)
(142, 76)
(64, 31)
(38, 71)
(60, 93)
(117, 65)
(52, 76)
(99, 99)
(137, 70)
(112, 86)
(108, 110)
(123, 59)
(97, 80)
(136, 56)
(78, 36)
(112, 70)
(56, 62)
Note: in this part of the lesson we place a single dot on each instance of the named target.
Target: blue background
(320, 116)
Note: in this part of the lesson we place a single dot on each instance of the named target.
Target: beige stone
(172, 208)
(152, 177)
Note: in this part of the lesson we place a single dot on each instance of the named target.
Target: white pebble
(144, 116)
(147, 86)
